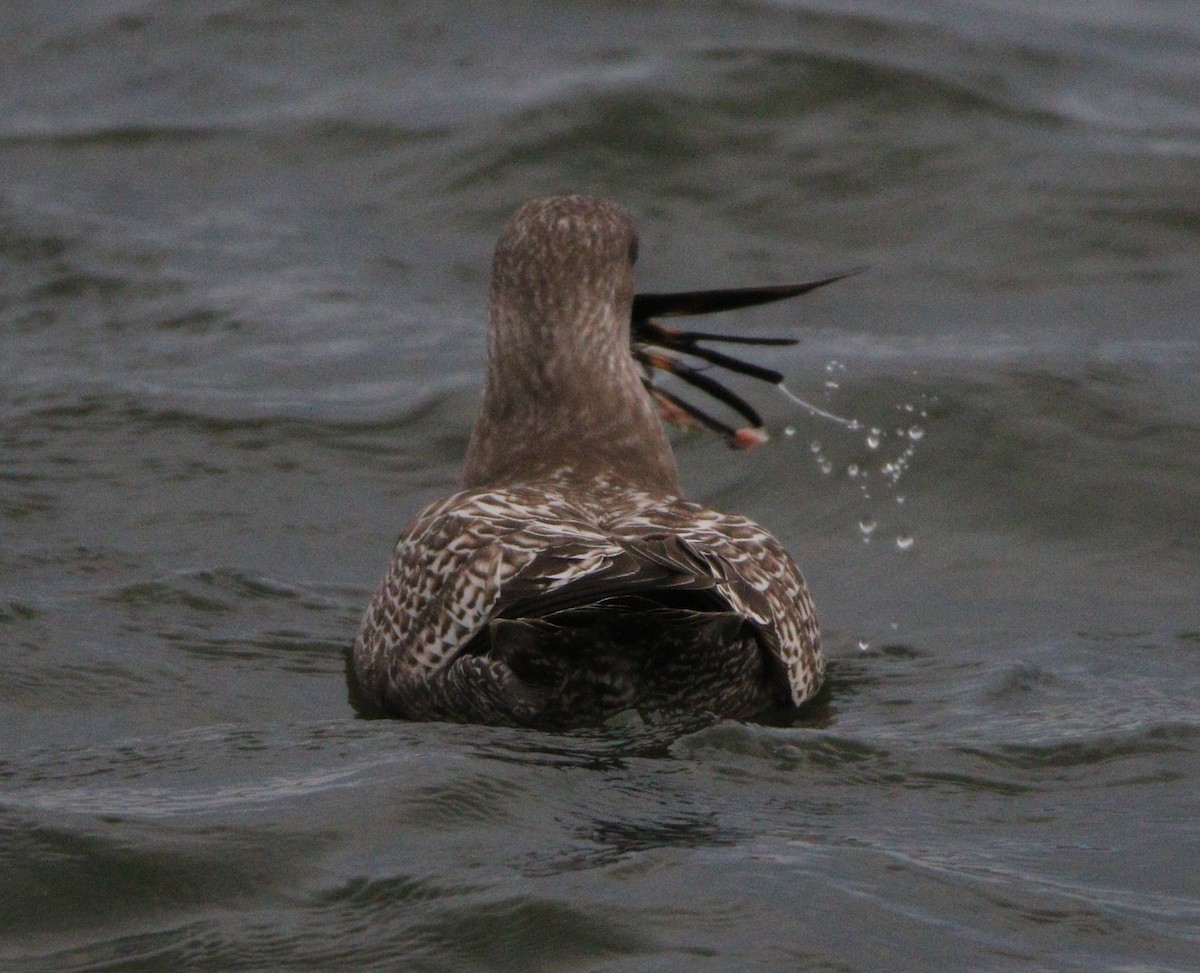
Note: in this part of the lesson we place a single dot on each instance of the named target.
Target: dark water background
(243, 264)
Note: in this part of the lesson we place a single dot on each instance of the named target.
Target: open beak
(656, 346)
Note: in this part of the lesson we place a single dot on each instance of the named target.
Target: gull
(569, 579)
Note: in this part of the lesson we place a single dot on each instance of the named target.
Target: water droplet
(901, 499)
(789, 430)
(863, 645)
(872, 442)
(915, 433)
(832, 385)
(905, 543)
(852, 470)
(826, 466)
(867, 527)
(815, 446)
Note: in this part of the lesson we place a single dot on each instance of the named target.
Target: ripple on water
(1091, 753)
(75, 862)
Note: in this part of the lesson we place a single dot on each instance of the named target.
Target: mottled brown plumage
(569, 580)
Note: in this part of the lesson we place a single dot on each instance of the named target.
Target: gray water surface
(243, 268)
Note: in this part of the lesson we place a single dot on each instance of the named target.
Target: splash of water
(816, 410)
(884, 458)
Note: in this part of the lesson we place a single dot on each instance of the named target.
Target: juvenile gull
(569, 580)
